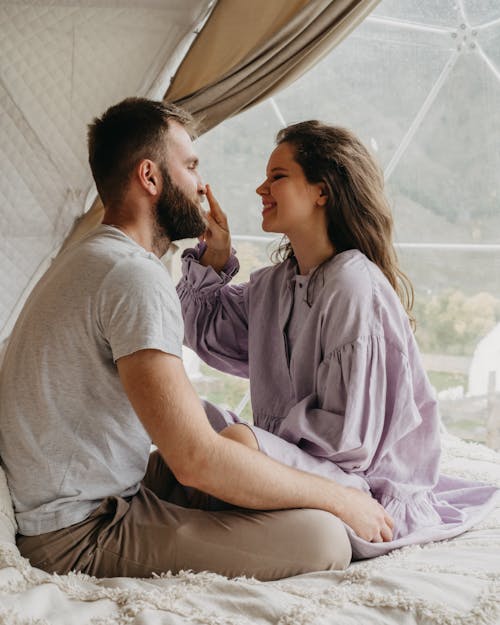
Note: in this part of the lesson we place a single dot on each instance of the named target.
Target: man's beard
(177, 216)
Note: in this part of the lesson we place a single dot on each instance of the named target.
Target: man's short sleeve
(138, 308)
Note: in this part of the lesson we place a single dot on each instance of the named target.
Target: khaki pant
(162, 528)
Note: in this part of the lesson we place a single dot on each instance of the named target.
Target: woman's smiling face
(290, 202)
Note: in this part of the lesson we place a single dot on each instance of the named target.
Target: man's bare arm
(166, 403)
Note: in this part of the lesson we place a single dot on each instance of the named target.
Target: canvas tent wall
(60, 65)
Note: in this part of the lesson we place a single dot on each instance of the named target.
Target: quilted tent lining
(61, 65)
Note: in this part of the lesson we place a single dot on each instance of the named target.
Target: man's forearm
(249, 479)
(292, 455)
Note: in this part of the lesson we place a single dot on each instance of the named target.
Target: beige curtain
(247, 51)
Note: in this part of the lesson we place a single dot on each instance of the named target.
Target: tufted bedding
(456, 582)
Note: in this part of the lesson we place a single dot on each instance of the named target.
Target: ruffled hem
(421, 511)
(451, 508)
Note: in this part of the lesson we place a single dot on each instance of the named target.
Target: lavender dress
(337, 388)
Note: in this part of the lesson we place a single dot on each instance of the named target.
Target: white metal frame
(467, 41)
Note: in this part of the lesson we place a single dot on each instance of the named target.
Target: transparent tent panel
(489, 40)
(480, 12)
(419, 82)
(444, 13)
(439, 13)
(451, 167)
(372, 84)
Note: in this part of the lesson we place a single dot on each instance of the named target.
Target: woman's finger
(215, 209)
(216, 226)
(211, 221)
(214, 205)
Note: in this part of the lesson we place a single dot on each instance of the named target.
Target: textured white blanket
(456, 582)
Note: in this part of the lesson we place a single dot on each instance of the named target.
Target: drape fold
(256, 67)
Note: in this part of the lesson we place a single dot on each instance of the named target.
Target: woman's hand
(216, 236)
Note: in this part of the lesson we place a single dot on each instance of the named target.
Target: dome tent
(52, 175)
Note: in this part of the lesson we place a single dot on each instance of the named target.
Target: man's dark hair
(128, 132)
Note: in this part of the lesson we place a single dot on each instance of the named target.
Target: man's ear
(149, 176)
(323, 194)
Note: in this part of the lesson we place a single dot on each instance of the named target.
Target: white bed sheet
(456, 582)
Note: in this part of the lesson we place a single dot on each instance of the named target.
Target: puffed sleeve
(215, 313)
(362, 409)
(369, 417)
(375, 416)
(363, 406)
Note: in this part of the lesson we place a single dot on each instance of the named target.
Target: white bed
(456, 582)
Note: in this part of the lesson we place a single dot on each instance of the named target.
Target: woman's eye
(277, 177)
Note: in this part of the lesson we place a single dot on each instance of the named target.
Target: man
(93, 374)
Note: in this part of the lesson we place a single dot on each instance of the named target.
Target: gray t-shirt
(69, 437)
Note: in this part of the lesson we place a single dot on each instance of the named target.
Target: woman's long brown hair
(358, 213)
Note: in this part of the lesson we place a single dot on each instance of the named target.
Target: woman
(337, 383)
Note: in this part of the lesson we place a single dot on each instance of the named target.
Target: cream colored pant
(162, 528)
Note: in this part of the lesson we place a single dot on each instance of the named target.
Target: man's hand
(359, 510)
(365, 516)
(216, 236)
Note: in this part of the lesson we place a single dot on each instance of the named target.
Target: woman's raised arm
(215, 312)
